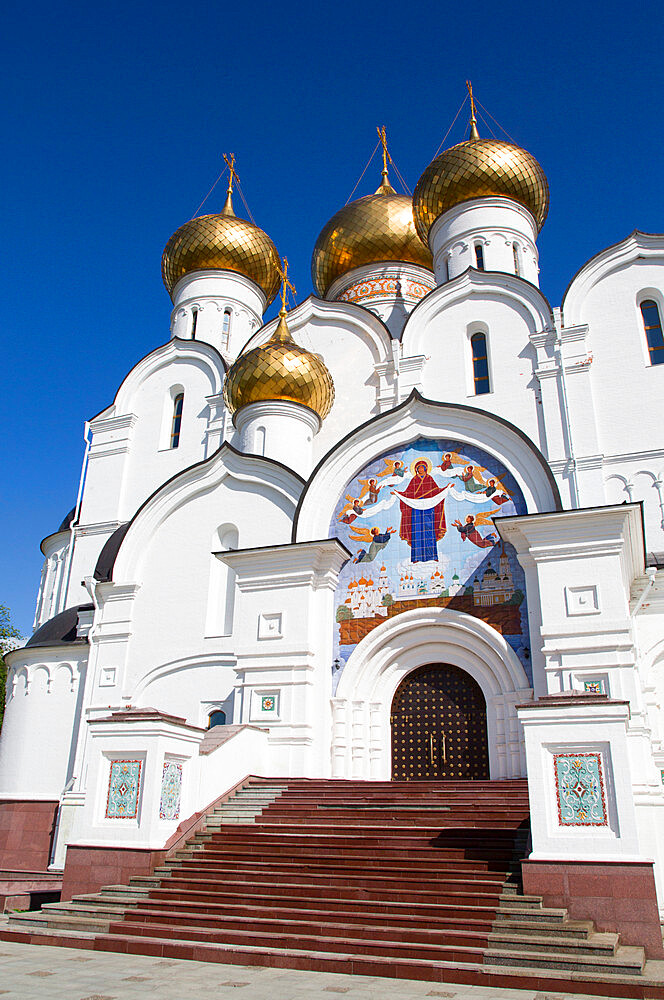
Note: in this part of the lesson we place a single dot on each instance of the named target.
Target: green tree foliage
(343, 613)
(8, 637)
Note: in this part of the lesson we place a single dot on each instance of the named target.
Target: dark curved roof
(111, 547)
(59, 630)
(67, 521)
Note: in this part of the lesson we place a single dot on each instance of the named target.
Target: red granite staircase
(410, 880)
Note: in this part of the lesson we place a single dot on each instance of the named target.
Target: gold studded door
(438, 725)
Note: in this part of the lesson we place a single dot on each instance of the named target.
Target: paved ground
(38, 972)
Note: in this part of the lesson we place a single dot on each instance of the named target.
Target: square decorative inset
(270, 626)
(594, 687)
(582, 601)
(268, 703)
(107, 677)
(171, 788)
(580, 789)
(124, 785)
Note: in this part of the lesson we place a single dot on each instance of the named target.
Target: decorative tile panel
(171, 789)
(580, 789)
(594, 687)
(124, 785)
(661, 773)
(268, 703)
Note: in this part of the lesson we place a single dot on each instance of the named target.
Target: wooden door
(438, 725)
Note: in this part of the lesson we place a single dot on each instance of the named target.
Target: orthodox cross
(286, 283)
(383, 139)
(230, 163)
(474, 134)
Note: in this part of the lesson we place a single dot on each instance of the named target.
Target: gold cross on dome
(474, 134)
(286, 283)
(230, 163)
(383, 139)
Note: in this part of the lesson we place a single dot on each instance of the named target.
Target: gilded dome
(222, 243)
(280, 369)
(479, 168)
(378, 227)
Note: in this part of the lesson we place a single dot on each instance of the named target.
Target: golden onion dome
(222, 242)
(279, 370)
(479, 168)
(379, 227)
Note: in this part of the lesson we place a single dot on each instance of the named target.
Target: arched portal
(438, 726)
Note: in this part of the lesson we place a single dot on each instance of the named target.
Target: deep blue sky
(116, 117)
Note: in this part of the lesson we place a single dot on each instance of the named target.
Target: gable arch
(418, 417)
(315, 313)
(638, 246)
(280, 486)
(482, 286)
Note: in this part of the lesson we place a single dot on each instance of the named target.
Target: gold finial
(474, 134)
(282, 333)
(385, 186)
(233, 175)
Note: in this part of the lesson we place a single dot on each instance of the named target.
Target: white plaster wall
(627, 389)
(41, 721)
(51, 593)
(173, 572)
(353, 344)
(448, 372)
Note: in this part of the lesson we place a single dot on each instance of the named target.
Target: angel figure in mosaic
(469, 531)
(374, 538)
(371, 487)
(351, 509)
(473, 479)
(392, 468)
(452, 459)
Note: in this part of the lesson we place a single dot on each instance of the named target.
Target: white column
(281, 430)
(504, 229)
(228, 308)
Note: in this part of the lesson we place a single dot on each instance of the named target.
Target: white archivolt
(361, 738)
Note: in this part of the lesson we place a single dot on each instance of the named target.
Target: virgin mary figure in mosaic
(422, 512)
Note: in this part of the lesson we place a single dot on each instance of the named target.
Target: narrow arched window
(216, 718)
(653, 326)
(479, 256)
(226, 322)
(194, 323)
(178, 403)
(480, 364)
(517, 265)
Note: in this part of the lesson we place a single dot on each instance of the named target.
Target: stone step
(599, 944)
(626, 961)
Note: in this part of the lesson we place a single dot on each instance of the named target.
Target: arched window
(480, 364)
(216, 718)
(194, 323)
(653, 326)
(226, 323)
(517, 265)
(479, 256)
(178, 403)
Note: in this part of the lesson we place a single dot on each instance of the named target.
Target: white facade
(216, 590)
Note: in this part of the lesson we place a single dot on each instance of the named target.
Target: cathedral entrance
(438, 724)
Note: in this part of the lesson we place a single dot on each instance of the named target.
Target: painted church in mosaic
(409, 531)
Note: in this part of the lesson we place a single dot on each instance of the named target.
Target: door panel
(438, 725)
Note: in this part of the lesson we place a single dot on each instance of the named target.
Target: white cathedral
(427, 412)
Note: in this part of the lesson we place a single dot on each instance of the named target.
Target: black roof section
(111, 547)
(60, 630)
(67, 521)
